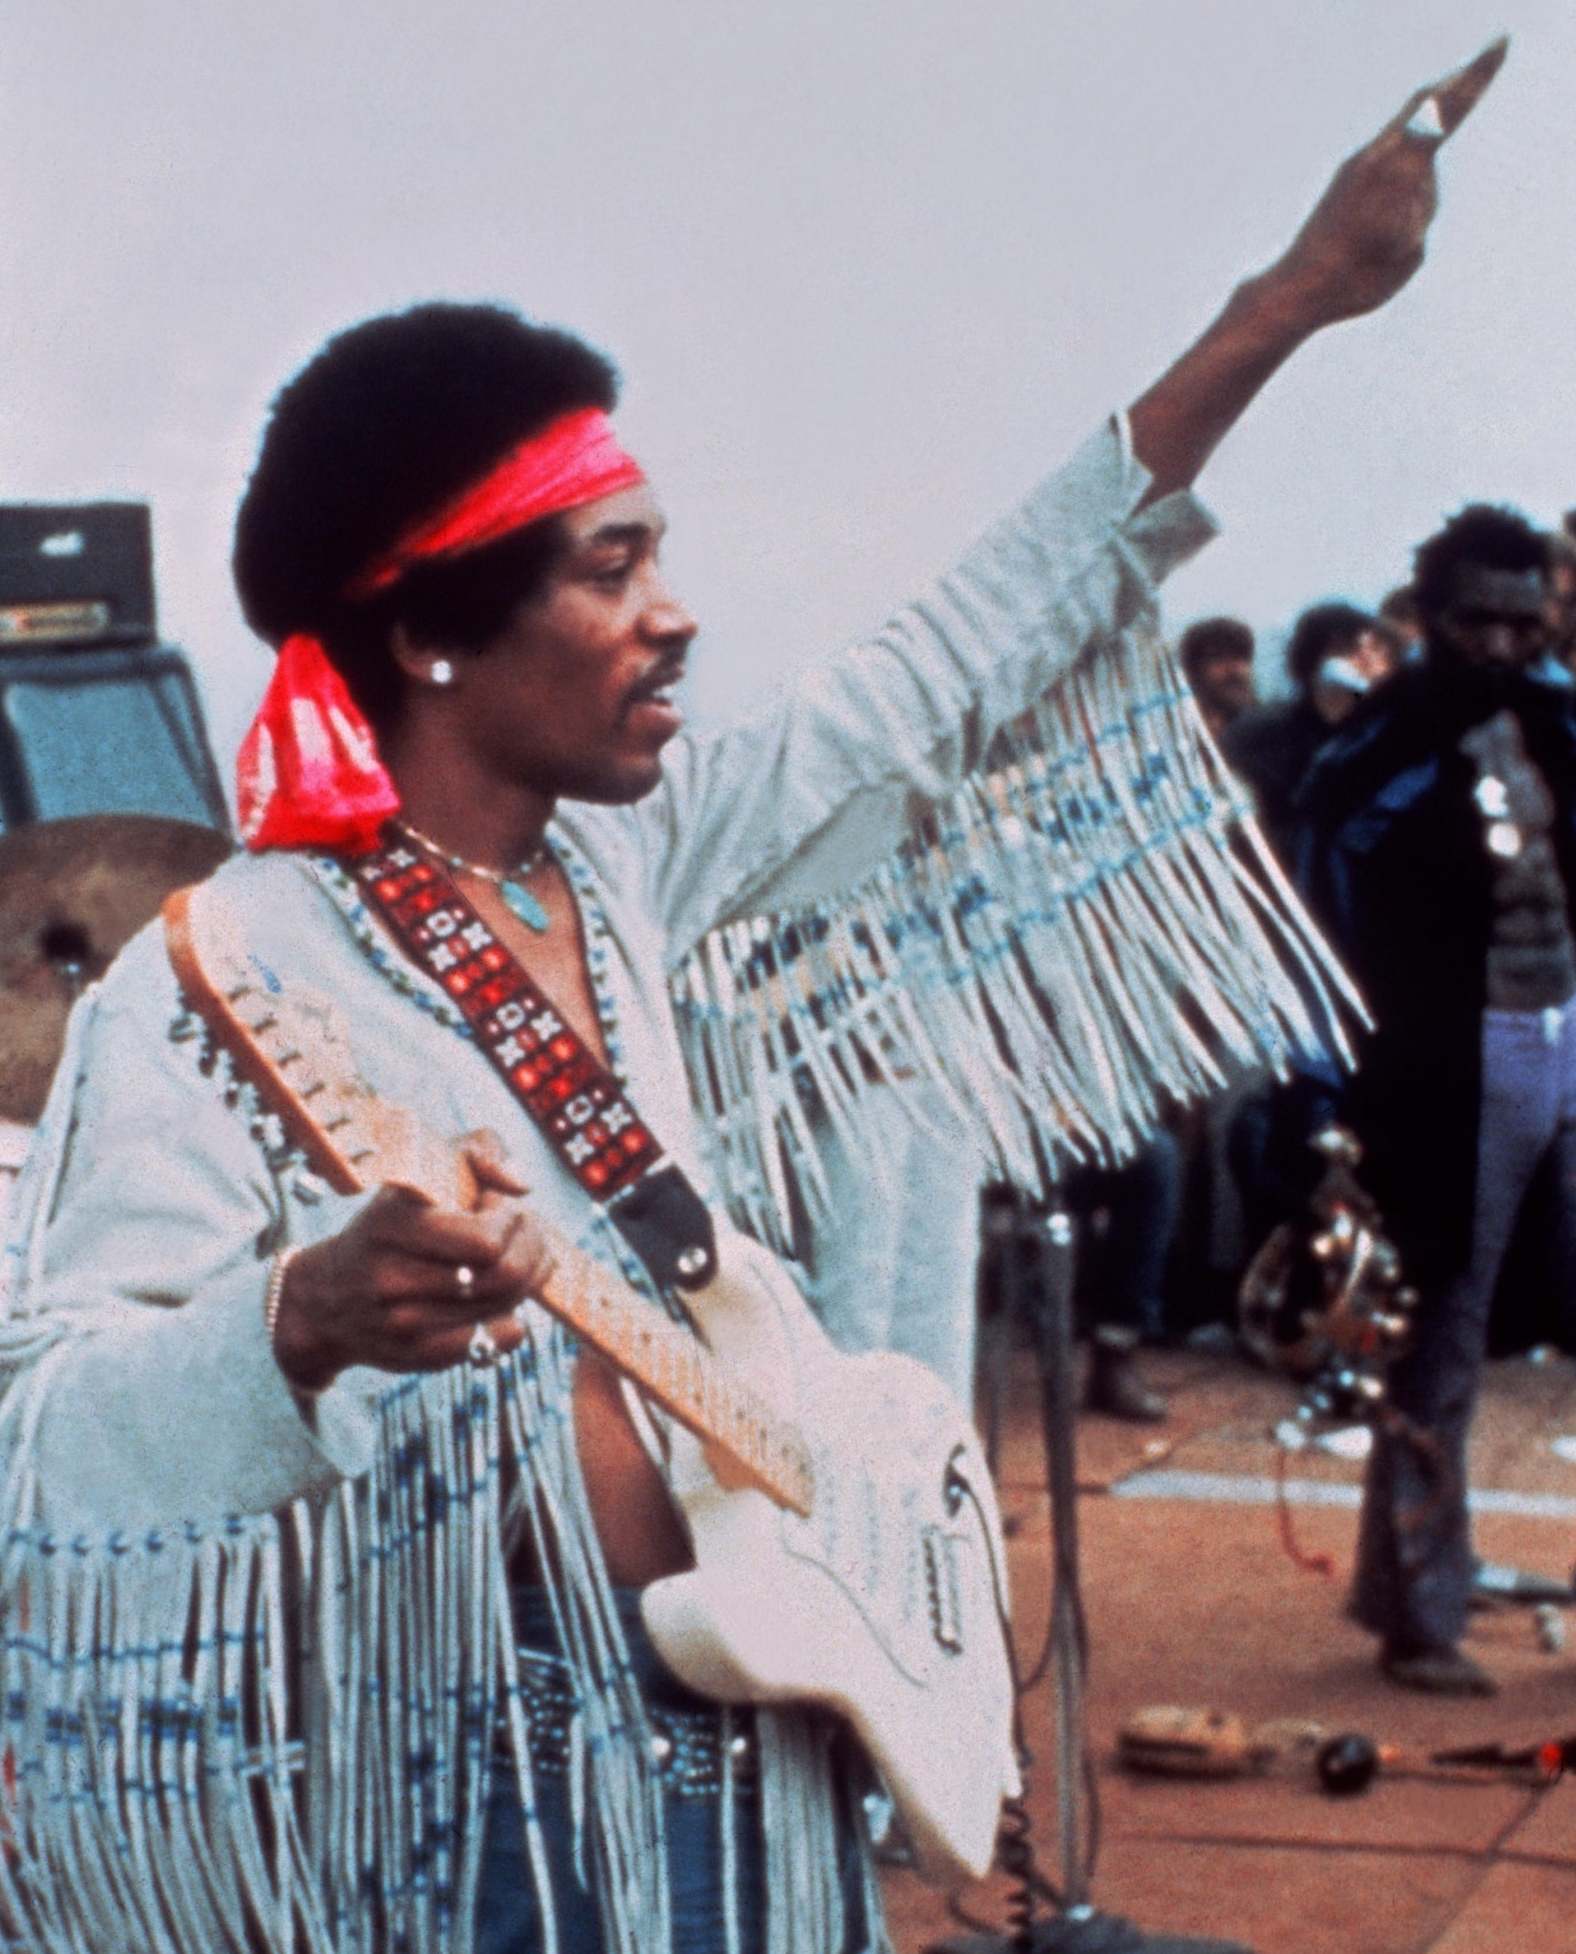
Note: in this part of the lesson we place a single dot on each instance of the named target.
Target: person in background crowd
(1121, 1271)
(1216, 655)
(1125, 1221)
(1336, 653)
(1558, 664)
(1436, 843)
(1397, 615)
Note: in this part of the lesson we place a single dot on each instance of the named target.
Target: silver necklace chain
(540, 855)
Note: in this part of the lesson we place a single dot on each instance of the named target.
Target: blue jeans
(1414, 1554)
(507, 1918)
(1124, 1286)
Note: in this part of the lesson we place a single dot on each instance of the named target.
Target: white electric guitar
(845, 1533)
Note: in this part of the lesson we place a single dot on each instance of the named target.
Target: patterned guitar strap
(585, 1114)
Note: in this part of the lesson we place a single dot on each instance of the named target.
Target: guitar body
(887, 1602)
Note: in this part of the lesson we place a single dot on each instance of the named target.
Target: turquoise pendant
(524, 905)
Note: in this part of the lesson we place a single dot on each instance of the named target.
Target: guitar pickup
(943, 1589)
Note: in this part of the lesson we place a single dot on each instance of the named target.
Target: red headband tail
(308, 773)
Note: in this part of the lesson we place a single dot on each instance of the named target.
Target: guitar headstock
(292, 1046)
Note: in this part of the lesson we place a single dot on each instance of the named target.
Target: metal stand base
(1079, 1928)
(1084, 1931)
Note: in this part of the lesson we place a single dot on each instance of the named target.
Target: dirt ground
(1193, 1599)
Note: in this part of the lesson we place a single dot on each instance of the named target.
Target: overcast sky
(867, 268)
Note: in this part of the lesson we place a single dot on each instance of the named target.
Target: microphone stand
(1078, 1926)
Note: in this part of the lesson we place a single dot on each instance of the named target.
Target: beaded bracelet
(274, 1294)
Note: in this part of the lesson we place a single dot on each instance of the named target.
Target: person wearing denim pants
(1437, 844)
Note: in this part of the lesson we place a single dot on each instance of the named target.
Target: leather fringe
(1088, 931)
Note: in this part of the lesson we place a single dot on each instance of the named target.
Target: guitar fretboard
(302, 1069)
(682, 1376)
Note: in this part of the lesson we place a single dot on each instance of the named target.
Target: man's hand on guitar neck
(404, 1286)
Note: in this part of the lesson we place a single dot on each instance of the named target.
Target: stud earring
(442, 672)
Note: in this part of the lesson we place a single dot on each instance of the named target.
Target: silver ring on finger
(1426, 121)
(482, 1352)
(465, 1281)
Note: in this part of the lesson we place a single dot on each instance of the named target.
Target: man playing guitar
(347, 1650)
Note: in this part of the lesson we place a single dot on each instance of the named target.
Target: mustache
(669, 672)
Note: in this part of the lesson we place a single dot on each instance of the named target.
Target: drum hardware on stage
(1495, 1586)
(1501, 1590)
(1323, 1301)
(1550, 1627)
(72, 894)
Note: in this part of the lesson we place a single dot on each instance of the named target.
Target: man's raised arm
(806, 798)
(1362, 242)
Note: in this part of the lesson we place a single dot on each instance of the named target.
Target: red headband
(308, 772)
(574, 461)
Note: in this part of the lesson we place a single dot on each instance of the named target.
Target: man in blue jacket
(1437, 843)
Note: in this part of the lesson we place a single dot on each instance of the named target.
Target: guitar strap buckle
(668, 1226)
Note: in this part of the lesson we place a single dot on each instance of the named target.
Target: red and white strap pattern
(567, 1090)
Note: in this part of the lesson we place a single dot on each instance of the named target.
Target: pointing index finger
(1458, 94)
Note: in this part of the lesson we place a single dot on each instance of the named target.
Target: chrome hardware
(1323, 1299)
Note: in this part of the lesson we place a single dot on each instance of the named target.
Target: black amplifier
(76, 574)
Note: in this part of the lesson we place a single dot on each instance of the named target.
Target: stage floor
(1193, 1600)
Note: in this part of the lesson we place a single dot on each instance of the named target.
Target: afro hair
(1489, 538)
(388, 422)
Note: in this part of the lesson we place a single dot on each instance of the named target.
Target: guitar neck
(681, 1375)
(749, 1444)
(298, 1059)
